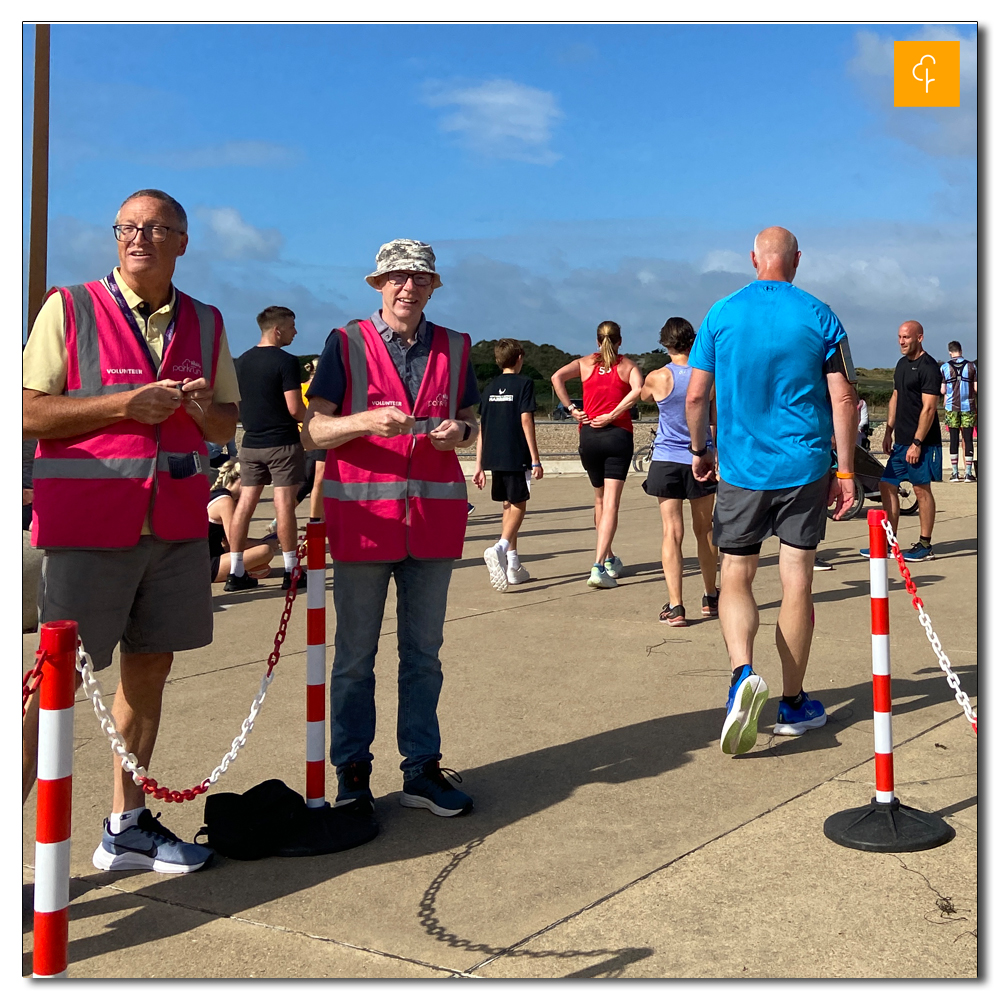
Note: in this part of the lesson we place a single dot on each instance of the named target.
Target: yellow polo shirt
(44, 360)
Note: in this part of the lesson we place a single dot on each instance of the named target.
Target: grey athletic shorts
(153, 598)
(744, 518)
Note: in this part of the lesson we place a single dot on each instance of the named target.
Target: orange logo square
(925, 74)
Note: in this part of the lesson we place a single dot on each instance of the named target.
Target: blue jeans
(359, 592)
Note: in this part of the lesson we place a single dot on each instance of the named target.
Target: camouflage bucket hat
(404, 255)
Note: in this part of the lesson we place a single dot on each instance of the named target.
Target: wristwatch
(918, 442)
(468, 430)
(698, 453)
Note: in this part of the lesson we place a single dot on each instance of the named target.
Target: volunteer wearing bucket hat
(391, 400)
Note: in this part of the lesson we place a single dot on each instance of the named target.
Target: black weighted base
(885, 827)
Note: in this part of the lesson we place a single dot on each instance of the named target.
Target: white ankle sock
(512, 561)
(123, 820)
(503, 545)
(236, 564)
(290, 560)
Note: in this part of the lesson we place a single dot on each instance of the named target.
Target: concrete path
(610, 837)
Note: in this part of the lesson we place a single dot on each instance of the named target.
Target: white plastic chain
(943, 661)
(92, 688)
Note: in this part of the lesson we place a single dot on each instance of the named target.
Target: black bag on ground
(272, 819)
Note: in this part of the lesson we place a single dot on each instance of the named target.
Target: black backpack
(272, 819)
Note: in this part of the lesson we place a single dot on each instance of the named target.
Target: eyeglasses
(153, 234)
(421, 280)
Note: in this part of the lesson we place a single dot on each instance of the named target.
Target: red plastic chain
(149, 786)
(911, 587)
(29, 685)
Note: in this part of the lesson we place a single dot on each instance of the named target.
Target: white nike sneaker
(517, 574)
(496, 563)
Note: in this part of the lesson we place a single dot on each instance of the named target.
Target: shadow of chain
(612, 967)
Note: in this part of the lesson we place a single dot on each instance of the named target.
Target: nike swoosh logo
(151, 853)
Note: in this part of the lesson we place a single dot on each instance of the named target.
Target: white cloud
(726, 260)
(945, 132)
(233, 238)
(249, 153)
(500, 119)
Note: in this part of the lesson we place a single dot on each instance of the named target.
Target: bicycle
(867, 475)
(641, 457)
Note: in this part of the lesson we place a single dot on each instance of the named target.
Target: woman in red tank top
(611, 384)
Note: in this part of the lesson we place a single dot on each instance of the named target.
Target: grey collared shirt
(410, 362)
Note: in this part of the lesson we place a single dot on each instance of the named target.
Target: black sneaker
(970, 477)
(352, 784)
(432, 790)
(673, 616)
(234, 583)
(286, 582)
(710, 605)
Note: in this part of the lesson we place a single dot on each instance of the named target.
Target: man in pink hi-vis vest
(124, 381)
(391, 400)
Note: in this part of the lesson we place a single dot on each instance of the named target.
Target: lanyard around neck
(126, 311)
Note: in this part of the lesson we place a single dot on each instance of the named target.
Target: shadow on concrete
(506, 791)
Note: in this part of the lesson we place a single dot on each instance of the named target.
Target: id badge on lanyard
(116, 294)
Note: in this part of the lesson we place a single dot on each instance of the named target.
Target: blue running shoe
(149, 846)
(867, 553)
(919, 552)
(613, 567)
(432, 790)
(352, 785)
(747, 696)
(795, 721)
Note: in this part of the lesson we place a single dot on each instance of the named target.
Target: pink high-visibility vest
(387, 498)
(95, 490)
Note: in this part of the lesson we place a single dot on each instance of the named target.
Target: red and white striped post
(878, 568)
(316, 664)
(58, 641)
(885, 824)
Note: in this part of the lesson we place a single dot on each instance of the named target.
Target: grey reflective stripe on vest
(163, 461)
(88, 351)
(107, 390)
(93, 468)
(454, 370)
(206, 321)
(364, 491)
(436, 491)
(357, 363)
(394, 490)
(426, 425)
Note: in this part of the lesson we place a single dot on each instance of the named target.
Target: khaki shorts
(283, 465)
(153, 598)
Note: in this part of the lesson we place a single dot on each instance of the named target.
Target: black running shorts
(675, 481)
(606, 452)
(510, 486)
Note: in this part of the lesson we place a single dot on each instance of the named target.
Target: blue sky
(564, 174)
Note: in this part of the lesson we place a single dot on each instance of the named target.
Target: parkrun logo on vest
(439, 402)
(188, 367)
(124, 371)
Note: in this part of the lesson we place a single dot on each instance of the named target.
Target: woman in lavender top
(670, 478)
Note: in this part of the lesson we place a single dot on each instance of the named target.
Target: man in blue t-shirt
(782, 371)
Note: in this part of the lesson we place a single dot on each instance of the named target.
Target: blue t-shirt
(766, 345)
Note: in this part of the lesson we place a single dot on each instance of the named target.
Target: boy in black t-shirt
(507, 447)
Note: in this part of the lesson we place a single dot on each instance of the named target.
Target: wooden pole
(38, 239)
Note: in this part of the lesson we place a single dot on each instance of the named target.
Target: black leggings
(966, 440)
(606, 452)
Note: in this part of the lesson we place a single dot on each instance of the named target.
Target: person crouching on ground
(222, 501)
(507, 447)
(671, 480)
(611, 384)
